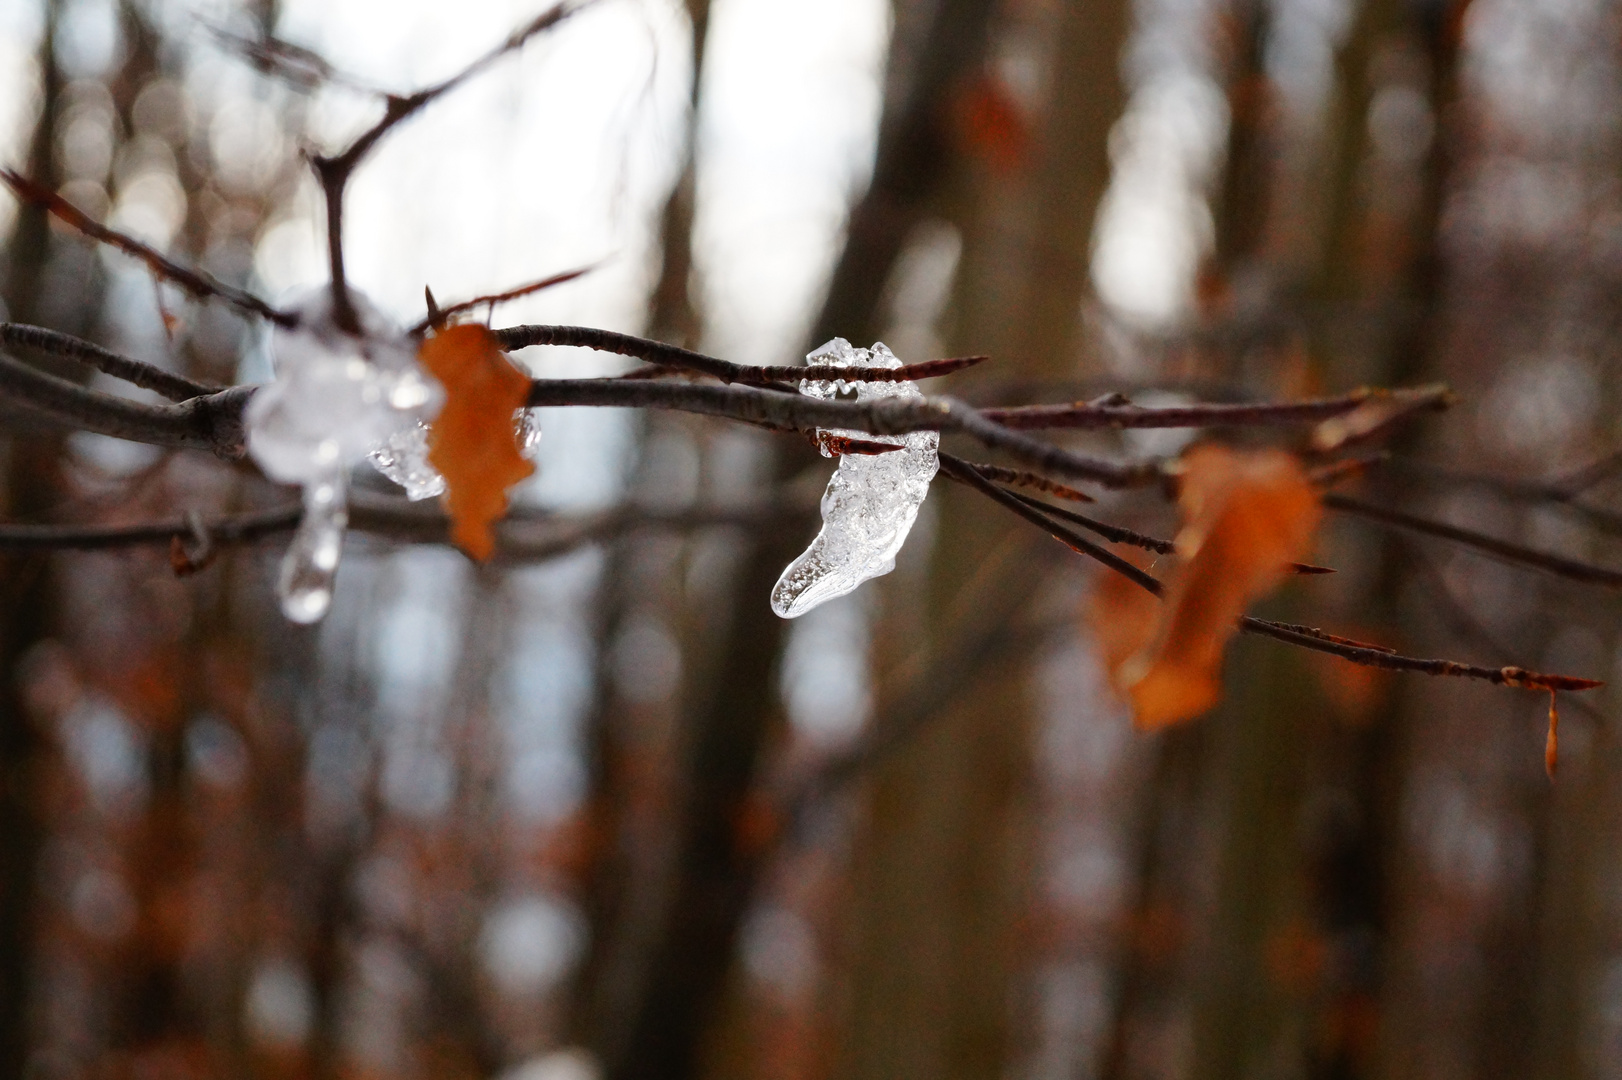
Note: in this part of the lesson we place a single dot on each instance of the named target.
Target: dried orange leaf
(1247, 516)
(473, 442)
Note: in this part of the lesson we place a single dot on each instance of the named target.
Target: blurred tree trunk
(32, 482)
(941, 861)
(1289, 969)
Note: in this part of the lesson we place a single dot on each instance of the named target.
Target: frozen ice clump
(872, 500)
(336, 397)
(403, 457)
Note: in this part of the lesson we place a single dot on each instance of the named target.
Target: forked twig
(334, 172)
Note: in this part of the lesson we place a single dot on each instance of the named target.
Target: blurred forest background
(595, 811)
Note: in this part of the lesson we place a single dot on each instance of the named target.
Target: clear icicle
(871, 501)
(336, 398)
(311, 562)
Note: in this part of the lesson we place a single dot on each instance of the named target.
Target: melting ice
(872, 500)
(336, 398)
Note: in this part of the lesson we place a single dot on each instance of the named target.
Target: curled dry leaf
(1247, 516)
(472, 442)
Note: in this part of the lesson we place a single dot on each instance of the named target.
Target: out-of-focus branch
(1112, 413)
(1562, 491)
(1558, 565)
(212, 422)
(135, 372)
(779, 377)
(521, 537)
(1302, 636)
(334, 172)
(197, 283)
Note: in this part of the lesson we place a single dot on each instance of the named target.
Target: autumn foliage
(1247, 515)
(473, 442)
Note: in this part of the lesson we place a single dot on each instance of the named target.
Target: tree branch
(1558, 565)
(1110, 414)
(212, 422)
(135, 372)
(334, 172)
(796, 412)
(197, 283)
(1302, 636)
(782, 377)
(521, 535)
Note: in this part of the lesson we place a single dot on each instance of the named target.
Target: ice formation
(336, 398)
(403, 457)
(872, 500)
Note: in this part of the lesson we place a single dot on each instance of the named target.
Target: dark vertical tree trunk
(31, 484)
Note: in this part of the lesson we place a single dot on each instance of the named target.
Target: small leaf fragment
(472, 442)
(1551, 743)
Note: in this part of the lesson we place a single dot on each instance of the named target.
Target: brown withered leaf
(1247, 515)
(473, 442)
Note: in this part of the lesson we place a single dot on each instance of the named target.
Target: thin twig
(1559, 565)
(295, 65)
(197, 283)
(1120, 534)
(439, 315)
(1021, 478)
(1380, 658)
(781, 377)
(334, 172)
(1563, 491)
(885, 416)
(1305, 637)
(135, 372)
(1265, 414)
(961, 471)
(391, 518)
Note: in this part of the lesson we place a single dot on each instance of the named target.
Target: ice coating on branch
(403, 457)
(872, 500)
(336, 398)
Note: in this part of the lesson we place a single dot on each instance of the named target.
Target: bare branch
(295, 65)
(136, 372)
(958, 469)
(438, 315)
(1563, 491)
(779, 377)
(1558, 565)
(1021, 478)
(212, 422)
(889, 416)
(334, 172)
(523, 536)
(1305, 637)
(1316, 640)
(1117, 414)
(197, 283)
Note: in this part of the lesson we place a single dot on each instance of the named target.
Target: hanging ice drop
(871, 501)
(336, 398)
(311, 562)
